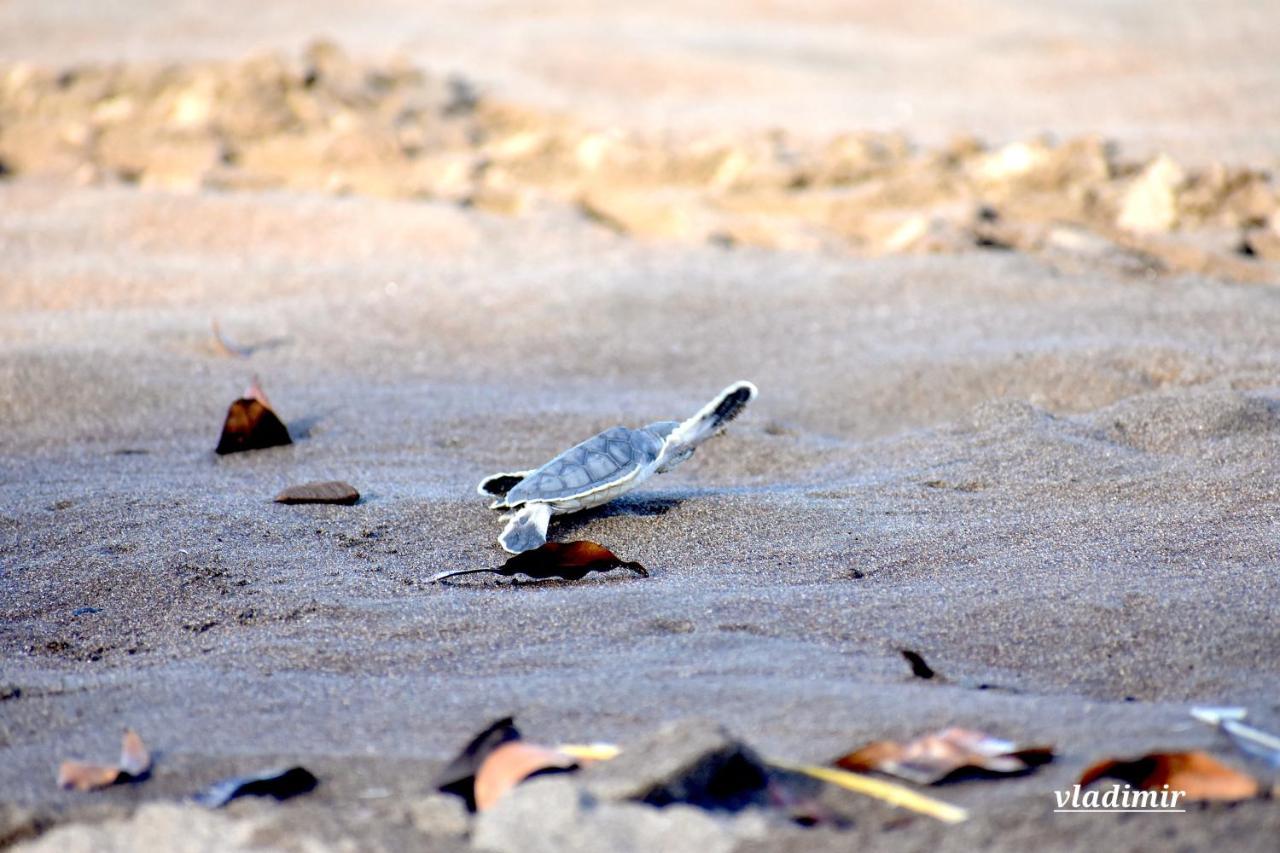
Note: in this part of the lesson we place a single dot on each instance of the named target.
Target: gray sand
(1057, 486)
(1057, 483)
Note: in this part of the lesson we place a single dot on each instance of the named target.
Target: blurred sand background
(1187, 76)
(1043, 457)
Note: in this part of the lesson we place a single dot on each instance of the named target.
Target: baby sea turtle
(602, 468)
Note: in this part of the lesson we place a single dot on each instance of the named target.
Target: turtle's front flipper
(527, 529)
(712, 418)
(497, 485)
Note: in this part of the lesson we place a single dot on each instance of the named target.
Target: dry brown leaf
(459, 775)
(565, 560)
(496, 760)
(512, 763)
(135, 758)
(329, 492)
(933, 758)
(1197, 774)
(251, 424)
(135, 763)
(75, 776)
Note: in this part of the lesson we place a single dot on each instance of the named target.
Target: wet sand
(1055, 481)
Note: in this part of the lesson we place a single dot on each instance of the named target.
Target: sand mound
(1172, 423)
(326, 122)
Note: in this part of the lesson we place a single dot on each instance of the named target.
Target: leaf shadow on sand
(300, 428)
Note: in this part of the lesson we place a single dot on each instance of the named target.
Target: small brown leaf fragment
(328, 492)
(75, 776)
(1198, 775)
(919, 668)
(564, 560)
(135, 758)
(949, 753)
(512, 763)
(251, 424)
(135, 763)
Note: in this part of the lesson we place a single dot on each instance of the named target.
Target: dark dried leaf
(135, 764)
(1197, 774)
(565, 560)
(251, 424)
(281, 784)
(458, 776)
(328, 492)
(950, 753)
(919, 668)
(75, 776)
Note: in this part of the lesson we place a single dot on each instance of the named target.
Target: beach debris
(698, 763)
(945, 756)
(1197, 775)
(569, 561)
(919, 668)
(251, 424)
(495, 761)
(585, 752)
(513, 762)
(603, 467)
(281, 784)
(135, 764)
(327, 492)
(889, 792)
(224, 346)
(694, 762)
(1250, 740)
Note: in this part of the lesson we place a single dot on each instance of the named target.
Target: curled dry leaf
(1197, 774)
(135, 763)
(565, 560)
(281, 784)
(512, 763)
(919, 668)
(495, 761)
(251, 424)
(951, 752)
(459, 775)
(76, 776)
(329, 492)
(135, 759)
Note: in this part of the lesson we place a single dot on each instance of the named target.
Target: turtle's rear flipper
(497, 485)
(527, 529)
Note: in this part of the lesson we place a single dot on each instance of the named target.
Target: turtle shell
(597, 463)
